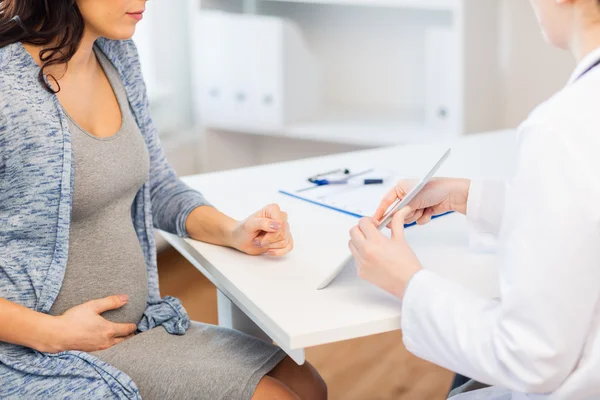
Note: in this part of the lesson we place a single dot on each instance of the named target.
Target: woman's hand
(387, 263)
(83, 328)
(264, 232)
(438, 197)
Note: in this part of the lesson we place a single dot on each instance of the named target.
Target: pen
(335, 171)
(324, 182)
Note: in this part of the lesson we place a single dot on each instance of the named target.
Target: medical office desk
(276, 299)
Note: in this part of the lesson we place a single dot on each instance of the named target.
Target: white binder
(214, 67)
(257, 72)
(441, 86)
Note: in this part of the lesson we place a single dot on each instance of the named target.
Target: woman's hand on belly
(83, 328)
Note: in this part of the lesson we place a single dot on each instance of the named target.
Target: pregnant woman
(83, 181)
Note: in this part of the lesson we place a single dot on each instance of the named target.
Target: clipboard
(392, 178)
(354, 199)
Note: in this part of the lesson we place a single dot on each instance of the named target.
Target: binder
(257, 72)
(441, 86)
(215, 67)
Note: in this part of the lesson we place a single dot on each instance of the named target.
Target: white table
(275, 299)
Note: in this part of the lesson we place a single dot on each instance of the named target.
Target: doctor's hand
(439, 196)
(387, 263)
(264, 232)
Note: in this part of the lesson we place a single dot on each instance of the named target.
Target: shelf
(438, 5)
(368, 133)
(358, 131)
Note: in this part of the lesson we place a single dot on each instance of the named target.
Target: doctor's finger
(368, 228)
(410, 218)
(357, 235)
(354, 250)
(426, 217)
(398, 223)
(386, 202)
(413, 216)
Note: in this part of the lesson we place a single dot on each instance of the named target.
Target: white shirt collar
(584, 64)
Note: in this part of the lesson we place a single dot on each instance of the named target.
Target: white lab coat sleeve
(531, 340)
(485, 211)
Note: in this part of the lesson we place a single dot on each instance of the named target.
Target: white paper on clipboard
(354, 198)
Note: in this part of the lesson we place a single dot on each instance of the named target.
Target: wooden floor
(371, 368)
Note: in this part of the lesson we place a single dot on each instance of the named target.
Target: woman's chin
(124, 33)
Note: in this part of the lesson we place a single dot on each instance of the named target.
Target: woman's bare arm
(25, 327)
(81, 328)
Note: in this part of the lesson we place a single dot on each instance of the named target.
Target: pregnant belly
(99, 267)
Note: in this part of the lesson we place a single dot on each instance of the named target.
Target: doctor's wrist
(459, 195)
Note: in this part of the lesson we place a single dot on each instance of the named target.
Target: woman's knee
(316, 383)
(270, 389)
(304, 380)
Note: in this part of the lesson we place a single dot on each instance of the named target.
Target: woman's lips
(138, 15)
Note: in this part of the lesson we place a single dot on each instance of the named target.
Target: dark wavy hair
(57, 23)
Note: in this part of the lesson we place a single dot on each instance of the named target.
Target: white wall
(162, 39)
(533, 70)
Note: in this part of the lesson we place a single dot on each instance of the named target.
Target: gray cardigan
(36, 178)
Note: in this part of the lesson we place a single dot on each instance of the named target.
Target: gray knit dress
(105, 258)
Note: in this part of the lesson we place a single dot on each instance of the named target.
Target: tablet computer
(398, 205)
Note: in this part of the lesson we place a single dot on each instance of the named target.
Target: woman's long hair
(54, 23)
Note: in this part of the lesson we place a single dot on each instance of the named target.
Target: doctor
(542, 339)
